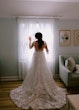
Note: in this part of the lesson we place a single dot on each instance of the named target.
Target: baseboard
(56, 76)
(14, 78)
(9, 78)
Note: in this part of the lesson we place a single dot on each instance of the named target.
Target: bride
(38, 90)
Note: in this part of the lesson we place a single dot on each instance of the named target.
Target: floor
(5, 87)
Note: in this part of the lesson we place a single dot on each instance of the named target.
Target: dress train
(39, 90)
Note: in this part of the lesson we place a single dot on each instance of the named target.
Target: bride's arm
(30, 43)
(46, 47)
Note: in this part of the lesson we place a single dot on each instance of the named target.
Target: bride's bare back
(35, 45)
(40, 49)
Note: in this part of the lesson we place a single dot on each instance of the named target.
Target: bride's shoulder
(45, 43)
(34, 42)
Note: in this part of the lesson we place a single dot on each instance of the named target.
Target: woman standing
(39, 90)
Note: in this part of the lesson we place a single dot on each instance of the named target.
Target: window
(28, 27)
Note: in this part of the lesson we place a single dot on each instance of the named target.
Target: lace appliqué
(39, 90)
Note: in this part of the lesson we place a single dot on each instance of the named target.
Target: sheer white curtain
(26, 28)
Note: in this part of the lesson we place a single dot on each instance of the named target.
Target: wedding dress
(39, 90)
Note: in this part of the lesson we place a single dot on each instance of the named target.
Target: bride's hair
(38, 36)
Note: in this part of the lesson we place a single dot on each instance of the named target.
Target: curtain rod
(42, 17)
(33, 17)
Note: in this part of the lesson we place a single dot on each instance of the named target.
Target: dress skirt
(39, 90)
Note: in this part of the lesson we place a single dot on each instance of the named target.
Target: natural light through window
(28, 28)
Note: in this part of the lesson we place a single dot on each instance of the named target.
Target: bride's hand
(30, 39)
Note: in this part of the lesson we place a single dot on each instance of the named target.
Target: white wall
(8, 48)
(66, 50)
(9, 45)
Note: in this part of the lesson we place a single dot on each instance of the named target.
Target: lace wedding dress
(39, 90)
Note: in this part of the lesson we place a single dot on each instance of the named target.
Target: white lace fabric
(39, 90)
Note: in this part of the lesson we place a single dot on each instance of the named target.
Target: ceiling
(63, 9)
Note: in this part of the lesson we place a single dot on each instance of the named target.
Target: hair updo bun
(38, 36)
